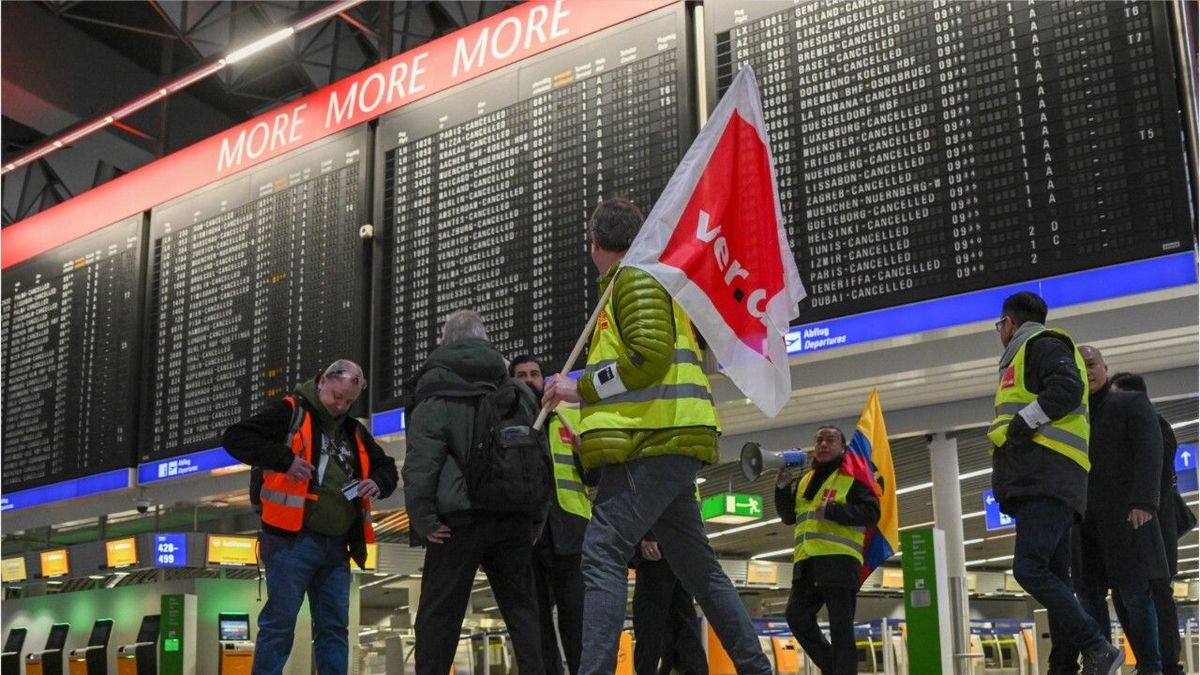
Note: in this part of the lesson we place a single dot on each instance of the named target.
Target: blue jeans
(315, 565)
(656, 494)
(1042, 563)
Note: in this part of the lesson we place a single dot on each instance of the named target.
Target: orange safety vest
(283, 498)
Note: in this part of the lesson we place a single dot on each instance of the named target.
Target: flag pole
(583, 337)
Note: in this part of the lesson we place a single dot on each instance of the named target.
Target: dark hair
(835, 428)
(1128, 382)
(615, 223)
(1025, 306)
(523, 358)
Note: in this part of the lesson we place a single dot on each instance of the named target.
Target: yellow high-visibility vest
(682, 398)
(568, 484)
(1067, 435)
(819, 536)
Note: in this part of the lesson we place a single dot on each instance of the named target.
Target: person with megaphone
(831, 508)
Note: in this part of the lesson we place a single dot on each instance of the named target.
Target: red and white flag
(715, 241)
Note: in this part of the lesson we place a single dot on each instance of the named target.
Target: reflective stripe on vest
(681, 398)
(283, 498)
(1067, 435)
(817, 536)
(568, 484)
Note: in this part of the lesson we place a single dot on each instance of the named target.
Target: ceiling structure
(106, 54)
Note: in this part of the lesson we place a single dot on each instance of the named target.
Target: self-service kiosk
(141, 657)
(10, 659)
(92, 659)
(237, 651)
(49, 661)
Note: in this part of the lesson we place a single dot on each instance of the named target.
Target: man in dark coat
(1164, 599)
(460, 536)
(1040, 474)
(1122, 549)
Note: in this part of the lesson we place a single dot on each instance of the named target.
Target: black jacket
(1127, 455)
(1168, 503)
(1022, 469)
(261, 442)
(439, 437)
(860, 510)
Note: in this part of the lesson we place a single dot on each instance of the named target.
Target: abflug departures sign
(70, 350)
(928, 149)
(486, 190)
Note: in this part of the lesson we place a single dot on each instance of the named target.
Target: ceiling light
(973, 541)
(1179, 425)
(1188, 560)
(975, 514)
(773, 554)
(743, 528)
(701, 480)
(914, 488)
(259, 45)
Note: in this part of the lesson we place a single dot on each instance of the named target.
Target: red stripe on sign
(511, 36)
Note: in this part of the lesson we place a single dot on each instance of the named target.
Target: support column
(947, 517)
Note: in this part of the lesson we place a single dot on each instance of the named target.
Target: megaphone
(756, 461)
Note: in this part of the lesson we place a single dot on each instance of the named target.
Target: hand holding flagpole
(583, 338)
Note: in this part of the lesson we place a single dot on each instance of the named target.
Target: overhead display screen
(928, 149)
(486, 190)
(255, 285)
(121, 552)
(70, 336)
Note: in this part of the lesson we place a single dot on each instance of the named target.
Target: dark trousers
(559, 585)
(836, 656)
(503, 547)
(665, 632)
(1042, 564)
(1140, 624)
(1168, 623)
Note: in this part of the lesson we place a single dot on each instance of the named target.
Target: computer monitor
(100, 632)
(15, 639)
(58, 636)
(148, 631)
(233, 626)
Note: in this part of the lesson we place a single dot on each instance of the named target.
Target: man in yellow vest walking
(831, 511)
(1040, 471)
(648, 423)
(556, 553)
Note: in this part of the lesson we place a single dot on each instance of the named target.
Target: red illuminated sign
(511, 36)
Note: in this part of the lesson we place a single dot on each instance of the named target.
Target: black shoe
(1102, 660)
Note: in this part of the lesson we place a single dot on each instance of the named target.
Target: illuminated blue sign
(390, 422)
(993, 517)
(70, 489)
(176, 467)
(1069, 289)
(1185, 467)
(170, 550)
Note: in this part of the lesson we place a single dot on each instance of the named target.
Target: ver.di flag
(715, 241)
(869, 460)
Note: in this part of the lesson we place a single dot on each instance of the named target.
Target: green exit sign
(731, 509)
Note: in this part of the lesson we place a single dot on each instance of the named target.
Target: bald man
(1122, 545)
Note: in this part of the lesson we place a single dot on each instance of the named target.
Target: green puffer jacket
(439, 431)
(644, 319)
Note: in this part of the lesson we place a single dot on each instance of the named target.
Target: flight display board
(933, 148)
(71, 322)
(255, 284)
(486, 190)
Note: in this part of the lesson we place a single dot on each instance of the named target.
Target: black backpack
(508, 464)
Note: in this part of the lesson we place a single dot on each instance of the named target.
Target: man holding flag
(840, 534)
(714, 252)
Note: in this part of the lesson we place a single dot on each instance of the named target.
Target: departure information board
(71, 326)
(487, 190)
(927, 149)
(255, 285)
